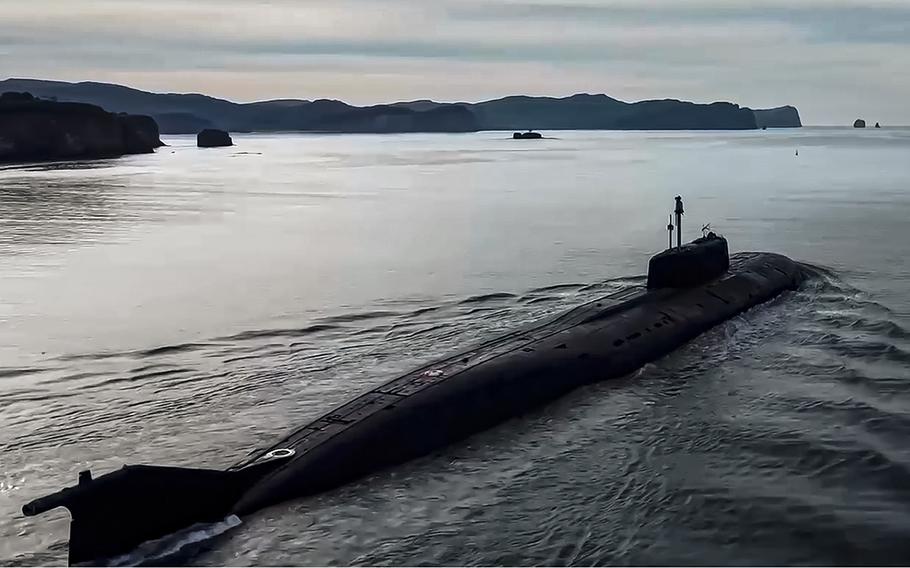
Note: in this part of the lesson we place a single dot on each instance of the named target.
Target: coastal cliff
(780, 117)
(33, 129)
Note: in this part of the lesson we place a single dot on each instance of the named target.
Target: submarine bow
(691, 288)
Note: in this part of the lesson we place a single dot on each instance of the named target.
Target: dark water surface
(189, 306)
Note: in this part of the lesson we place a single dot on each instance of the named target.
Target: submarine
(690, 288)
(529, 135)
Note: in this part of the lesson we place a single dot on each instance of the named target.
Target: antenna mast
(670, 232)
(679, 214)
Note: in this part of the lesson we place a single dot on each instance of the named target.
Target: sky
(835, 60)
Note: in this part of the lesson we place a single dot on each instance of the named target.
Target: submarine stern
(116, 512)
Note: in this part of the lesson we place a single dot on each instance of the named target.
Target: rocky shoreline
(33, 129)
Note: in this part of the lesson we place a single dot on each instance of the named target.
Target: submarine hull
(429, 407)
(452, 399)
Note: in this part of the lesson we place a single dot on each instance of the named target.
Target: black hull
(426, 409)
(449, 400)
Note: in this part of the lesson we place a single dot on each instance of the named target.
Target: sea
(189, 306)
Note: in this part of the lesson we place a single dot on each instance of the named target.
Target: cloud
(834, 59)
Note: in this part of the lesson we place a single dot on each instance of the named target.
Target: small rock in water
(212, 138)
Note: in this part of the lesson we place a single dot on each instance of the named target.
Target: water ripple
(695, 448)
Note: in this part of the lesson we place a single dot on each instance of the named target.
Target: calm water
(189, 306)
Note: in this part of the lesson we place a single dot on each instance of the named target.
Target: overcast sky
(834, 59)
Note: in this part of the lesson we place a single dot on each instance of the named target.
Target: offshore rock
(213, 138)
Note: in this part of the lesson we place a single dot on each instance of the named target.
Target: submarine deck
(735, 282)
(393, 391)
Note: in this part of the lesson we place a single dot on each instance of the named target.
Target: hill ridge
(183, 113)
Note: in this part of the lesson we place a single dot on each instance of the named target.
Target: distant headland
(192, 113)
(33, 129)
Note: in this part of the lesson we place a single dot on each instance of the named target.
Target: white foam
(175, 542)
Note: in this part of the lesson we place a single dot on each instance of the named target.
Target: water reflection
(59, 166)
(46, 208)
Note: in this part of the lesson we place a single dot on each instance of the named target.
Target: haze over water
(189, 306)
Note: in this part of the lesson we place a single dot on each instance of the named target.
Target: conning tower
(690, 264)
